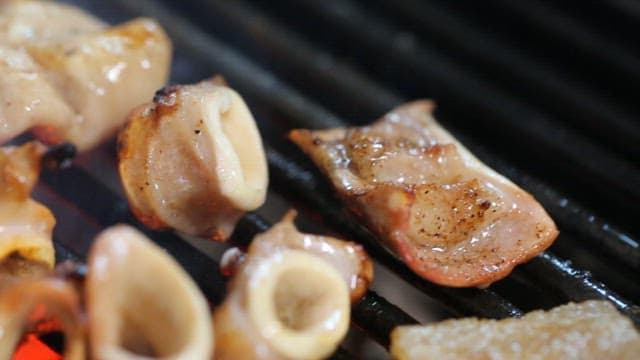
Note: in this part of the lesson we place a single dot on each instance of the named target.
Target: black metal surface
(378, 317)
(520, 115)
(588, 110)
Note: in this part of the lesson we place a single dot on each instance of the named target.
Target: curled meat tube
(25, 224)
(192, 160)
(27, 302)
(290, 295)
(141, 303)
(286, 305)
(349, 258)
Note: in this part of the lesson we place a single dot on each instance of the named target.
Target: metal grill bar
(378, 318)
(571, 101)
(575, 40)
(574, 284)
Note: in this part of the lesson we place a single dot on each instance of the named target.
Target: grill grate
(358, 61)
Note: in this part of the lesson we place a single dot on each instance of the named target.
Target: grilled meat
(140, 301)
(452, 219)
(289, 297)
(69, 76)
(193, 160)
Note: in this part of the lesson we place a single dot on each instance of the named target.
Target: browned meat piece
(141, 303)
(25, 225)
(193, 160)
(289, 297)
(588, 330)
(70, 77)
(452, 219)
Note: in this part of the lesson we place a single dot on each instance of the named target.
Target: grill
(540, 91)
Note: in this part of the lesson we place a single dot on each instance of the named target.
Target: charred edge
(59, 156)
(163, 95)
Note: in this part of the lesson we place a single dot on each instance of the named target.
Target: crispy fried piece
(588, 330)
(452, 219)
(25, 225)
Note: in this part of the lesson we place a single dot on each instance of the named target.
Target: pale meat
(588, 330)
(104, 75)
(26, 226)
(349, 258)
(290, 296)
(141, 303)
(452, 219)
(28, 100)
(95, 75)
(192, 160)
(30, 22)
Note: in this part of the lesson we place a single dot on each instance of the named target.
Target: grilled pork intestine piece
(287, 304)
(25, 225)
(28, 99)
(193, 160)
(94, 75)
(28, 303)
(43, 22)
(142, 303)
(452, 219)
(588, 330)
(349, 258)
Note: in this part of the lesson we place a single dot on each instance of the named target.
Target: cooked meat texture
(192, 160)
(27, 99)
(27, 302)
(452, 219)
(141, 303)
(349, 258)
(42, 23)
(25, 225)
(289, 297)
(95, 75)
(588, 330)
